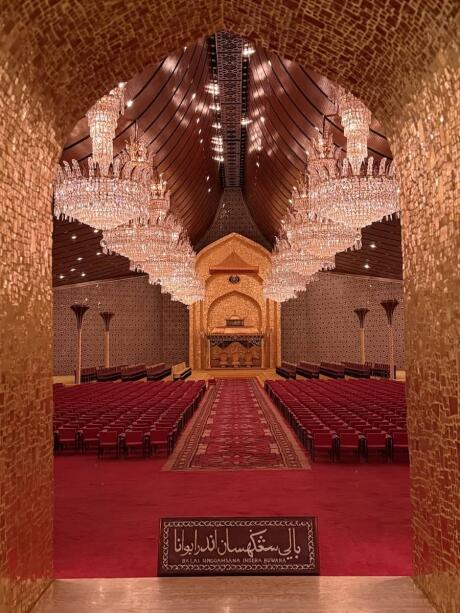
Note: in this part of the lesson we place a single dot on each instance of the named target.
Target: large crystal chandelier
(102, 121)
(105, 193)
(337, 192)
(357, 200)
(312, 234)
(356, 118)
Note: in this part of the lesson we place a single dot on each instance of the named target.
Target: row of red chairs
(124, 416)
(337, 417)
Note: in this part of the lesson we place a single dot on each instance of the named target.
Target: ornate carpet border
(293, 454)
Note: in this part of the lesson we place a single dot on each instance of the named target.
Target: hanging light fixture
(108, 194)
(356, 118)
(102, 120)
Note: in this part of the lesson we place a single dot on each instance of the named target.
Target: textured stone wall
(427, 149)
(147, 327)
(26, 470)
(57, 57)
(321, 324)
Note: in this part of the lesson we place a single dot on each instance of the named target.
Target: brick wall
(320, 325)
(147, 327)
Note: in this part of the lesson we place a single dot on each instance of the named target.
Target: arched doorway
(403, 65)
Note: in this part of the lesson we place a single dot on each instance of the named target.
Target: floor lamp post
(361, 313)
(390, 306)
(106, 317)
(79, 310)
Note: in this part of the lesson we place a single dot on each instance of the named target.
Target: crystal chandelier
(312, 234)
(356, 118)
(100, 200)
(102, 121)
(357, 200)
(107, 194)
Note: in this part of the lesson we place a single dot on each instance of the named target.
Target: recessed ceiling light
(372, 245)
(193, 96)
(61, 276)
(83, 274)
(129, 103)
(209, 189)
(79, 259)
(207, 178)
(98, 253)
(366, 265)
(201, 140)
(95, 231)
(73, 237)
(73, 269)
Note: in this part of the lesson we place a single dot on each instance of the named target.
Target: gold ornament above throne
(233, 269)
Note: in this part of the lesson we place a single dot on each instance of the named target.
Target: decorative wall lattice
(321, 324)
(147, 327)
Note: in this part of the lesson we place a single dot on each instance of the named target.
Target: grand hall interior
(230, 325)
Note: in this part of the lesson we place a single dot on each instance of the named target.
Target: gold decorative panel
(57, 58)
(225, 299)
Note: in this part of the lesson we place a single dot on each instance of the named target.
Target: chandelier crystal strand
(102, 120)
(357, 200)
(356, 119)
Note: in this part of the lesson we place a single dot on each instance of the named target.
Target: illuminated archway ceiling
(286, 104)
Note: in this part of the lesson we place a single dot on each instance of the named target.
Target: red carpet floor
(107, 512)
(238, 428)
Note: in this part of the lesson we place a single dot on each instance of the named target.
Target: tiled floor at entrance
(235, 595)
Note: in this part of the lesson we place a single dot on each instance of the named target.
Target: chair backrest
(400, 438)
(90, 432)
(134, 436)
(376, 438)
(349, 439)
(108, 436)
(67, 433)
(322, 438)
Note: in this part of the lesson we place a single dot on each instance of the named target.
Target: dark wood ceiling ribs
(287, 105)
(170, 103)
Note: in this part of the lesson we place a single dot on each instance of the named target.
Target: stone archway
(57, 58)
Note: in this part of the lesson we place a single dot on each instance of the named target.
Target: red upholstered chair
(159, 439)
(400, 442)
(349, 442)
(323, 441)
(67, 439)
(134, 440)
(376, 441)
(89, 438)
(108, 442)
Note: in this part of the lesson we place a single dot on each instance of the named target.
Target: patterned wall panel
(175, 331)
(320, 325)
(147, 326)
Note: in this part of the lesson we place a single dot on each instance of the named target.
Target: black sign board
(238, 546)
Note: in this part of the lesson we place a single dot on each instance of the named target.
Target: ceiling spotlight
(79, 259)
(212, 88)
(129, 103)
(61, 276)
(366, 265)
(207, 178)
(83, 274)
(257, 164)
(95, 231)
(98, 252)
(193, 96)
(73, 269)
(201, 140)
(209, 189)
(73, 237)
(372, 245)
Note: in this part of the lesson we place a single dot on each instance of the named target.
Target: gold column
(390, 306)
(106, 317)
(361, 313)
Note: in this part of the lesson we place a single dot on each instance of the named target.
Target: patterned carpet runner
(237, 428)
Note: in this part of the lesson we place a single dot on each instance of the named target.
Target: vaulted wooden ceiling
(286, 104)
